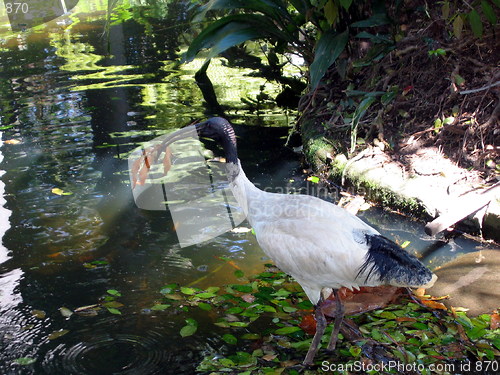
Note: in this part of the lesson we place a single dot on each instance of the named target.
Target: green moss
(319, 152)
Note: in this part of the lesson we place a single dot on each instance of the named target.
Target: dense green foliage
(318, 30)
(263, 329)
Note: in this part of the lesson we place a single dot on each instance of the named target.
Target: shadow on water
(71, 111)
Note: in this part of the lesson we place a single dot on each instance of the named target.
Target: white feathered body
(318, 243)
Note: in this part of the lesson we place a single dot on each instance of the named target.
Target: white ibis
(321, 245)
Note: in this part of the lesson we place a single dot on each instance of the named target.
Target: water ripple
(110, 354)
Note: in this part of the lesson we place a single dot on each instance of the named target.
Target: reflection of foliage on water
(266, 325)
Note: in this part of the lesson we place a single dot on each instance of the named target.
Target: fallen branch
(480, 89)
(463, 207)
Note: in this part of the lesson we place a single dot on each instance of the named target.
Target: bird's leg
(320, 329)
(339, 315)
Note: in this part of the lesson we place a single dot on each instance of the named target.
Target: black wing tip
(392, 264)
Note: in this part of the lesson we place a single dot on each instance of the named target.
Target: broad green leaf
(205, 306)
(230, 339)
(331, 12)
(234, 310)
(489, 12)
(445, 10)
(233, 30)
(266, 308)
(187, 290)
(313, 179)
(60, 192)
(114, 292)
(346, 4)
(243, 288)
(376, 334)
(420, 325)
(476, 333)
(112, 310)
(475, 23)
(239, 324)
(205, 295)
(24, 361)
(287, 330)
(387, 315)
(458, 25)
(191, 321)
(274, 9)
(188, 330)
(355, 351)
(438, 124)
(328, 49)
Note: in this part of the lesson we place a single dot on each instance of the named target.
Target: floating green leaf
(238, 324)
(205, 295)
(114, 292)
(230, 339)
(190, 328)
(65, 312)
(24, 361)
(205, 306)
(112, 310)
(40, 314)
(287, 330)
(59, 191)
(187, 290)
(234, 310)
(56, 334)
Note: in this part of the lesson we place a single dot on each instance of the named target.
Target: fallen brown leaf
(405, 319)
(495, 321)
(434, 304)
(269, 357)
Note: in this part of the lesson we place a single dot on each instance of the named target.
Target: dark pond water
(70, 112)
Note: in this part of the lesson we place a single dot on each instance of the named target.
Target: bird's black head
(221, 131)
